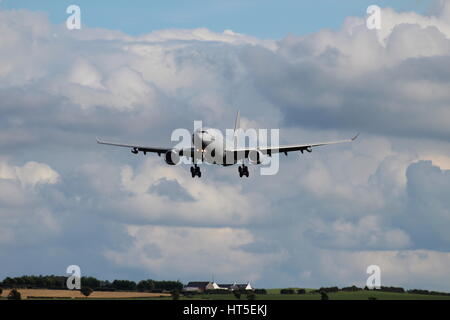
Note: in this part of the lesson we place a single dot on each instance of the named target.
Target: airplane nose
(204, 139)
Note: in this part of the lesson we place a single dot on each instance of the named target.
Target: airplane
(205, 139)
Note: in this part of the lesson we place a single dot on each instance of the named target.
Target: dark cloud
(171, 189)
(427, 213)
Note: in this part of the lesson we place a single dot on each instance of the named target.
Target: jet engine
(255, 156)
(172, 157)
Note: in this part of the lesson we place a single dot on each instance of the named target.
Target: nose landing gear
(243, 171)
(195, 171)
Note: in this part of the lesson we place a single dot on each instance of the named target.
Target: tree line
(59, 282)
(355, 288)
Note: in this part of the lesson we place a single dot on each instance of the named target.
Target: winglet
(355, 137)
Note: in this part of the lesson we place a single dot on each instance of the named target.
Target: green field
(274, 294)
(332, 296)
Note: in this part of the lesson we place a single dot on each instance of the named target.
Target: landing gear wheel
(243, 171)
(195, 171)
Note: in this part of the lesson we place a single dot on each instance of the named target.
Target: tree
(166, 285)
(14, 295)
(323, 296)
(329, 289)
(142, 286)
(251, 296)
(352, 288)
(260, 291)
(150, 285)
(124, 285)
(175, 295)
(86, 291)
(1, 291)
(287, 291)
(9, 282)
(237, 295)
(90, 282)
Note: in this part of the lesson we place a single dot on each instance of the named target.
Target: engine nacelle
(172, 157)
(255, 156)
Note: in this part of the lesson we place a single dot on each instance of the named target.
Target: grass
(272, 294)
(277, 291)
(365, 294)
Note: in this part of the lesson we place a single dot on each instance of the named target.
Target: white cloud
(409, 268)
(392, 19)
(368, 232)
(198, 251)
(203, 34)
(24, 215)
(85, 74)
(210, 204)
(31, 174)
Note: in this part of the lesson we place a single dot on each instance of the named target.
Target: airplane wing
(290, 148)
(136, 148)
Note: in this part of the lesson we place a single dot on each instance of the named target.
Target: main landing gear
(243, 171)
(195, 171)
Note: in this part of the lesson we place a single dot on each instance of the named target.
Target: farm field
(273, 294)
(67, 294)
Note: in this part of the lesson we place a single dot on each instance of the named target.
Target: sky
(260, 18)
(321, 221)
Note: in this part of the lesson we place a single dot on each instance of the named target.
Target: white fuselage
(210, 147)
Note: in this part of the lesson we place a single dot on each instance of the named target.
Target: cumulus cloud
(31, 174)
(349, 79)
(197, 250)
(366, 233)
(24, 213)
(427, 211)
(207, 203)
(408, 268)
(320, 221)
(202, 34)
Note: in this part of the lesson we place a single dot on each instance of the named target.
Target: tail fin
(237, 123)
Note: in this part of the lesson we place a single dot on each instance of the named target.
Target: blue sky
(261, 18)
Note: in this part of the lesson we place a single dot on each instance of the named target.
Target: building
(242, 286)
(227, 286)
(236, 286)
(200, 286)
